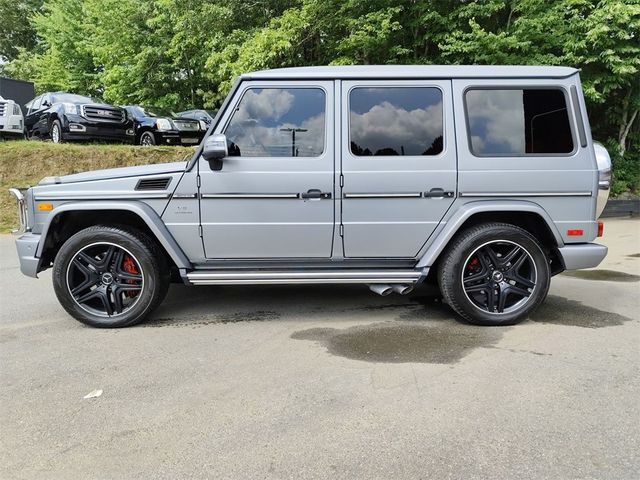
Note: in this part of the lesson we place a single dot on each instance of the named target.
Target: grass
(25, 163)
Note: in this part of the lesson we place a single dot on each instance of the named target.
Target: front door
(398, 165)
(274, 196)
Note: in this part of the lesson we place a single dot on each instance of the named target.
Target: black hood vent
(153, 183)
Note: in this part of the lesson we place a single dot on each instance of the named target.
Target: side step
(305, 277)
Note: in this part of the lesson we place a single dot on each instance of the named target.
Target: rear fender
(447, 229)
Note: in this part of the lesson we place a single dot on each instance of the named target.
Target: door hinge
(341, 230)
(200, 230)
(341, 180)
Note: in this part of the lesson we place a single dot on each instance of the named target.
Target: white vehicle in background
(11, 119)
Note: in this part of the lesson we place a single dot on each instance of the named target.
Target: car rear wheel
(494, 274)
(110, 277)
(147, 139)
(56, 132)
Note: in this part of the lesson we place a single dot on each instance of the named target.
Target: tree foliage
(186, 53)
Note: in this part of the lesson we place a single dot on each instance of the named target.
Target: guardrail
(621, 208)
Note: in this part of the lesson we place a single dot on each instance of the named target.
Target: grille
(102, 114)
(153, 183)
(187, 126)
(3, 108)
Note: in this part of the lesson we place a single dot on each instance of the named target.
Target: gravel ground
(325, 382)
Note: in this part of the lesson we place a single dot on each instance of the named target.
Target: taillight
(600, 229)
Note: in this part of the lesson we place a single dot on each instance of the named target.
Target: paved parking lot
(325, 382)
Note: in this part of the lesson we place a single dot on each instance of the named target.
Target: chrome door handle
(314, 193)
(438, 193)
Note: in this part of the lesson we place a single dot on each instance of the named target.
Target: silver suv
(483, 179)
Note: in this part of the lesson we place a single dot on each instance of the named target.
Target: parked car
(206, 116)
(154, 126)
(484, 179)
(11, 120)
(65, 116)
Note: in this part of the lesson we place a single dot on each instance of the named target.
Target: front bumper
(176, 137)
(76, 127)
(27, 246)
(583, 255)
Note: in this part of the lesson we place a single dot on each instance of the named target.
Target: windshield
(70, 98)
(153, 111)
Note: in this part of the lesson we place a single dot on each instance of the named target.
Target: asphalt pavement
(325, 382)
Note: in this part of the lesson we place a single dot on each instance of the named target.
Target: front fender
(450, 227)
(141, 209)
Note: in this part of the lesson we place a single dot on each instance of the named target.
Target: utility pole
(293, 137)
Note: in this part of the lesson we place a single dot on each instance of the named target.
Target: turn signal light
(45, 207)
(576, 232)
(600, 229)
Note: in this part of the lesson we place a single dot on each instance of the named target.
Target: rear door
(398, 165)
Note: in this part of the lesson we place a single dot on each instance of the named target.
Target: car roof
(412, 71)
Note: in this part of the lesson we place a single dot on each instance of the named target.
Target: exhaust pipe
(402, 289)
(381, 289)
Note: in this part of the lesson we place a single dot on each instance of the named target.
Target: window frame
(382, 86)
(234, 108)
(570, 118)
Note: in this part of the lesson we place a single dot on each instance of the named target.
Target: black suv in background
(157, 127)
(65, 116)
(206, 116)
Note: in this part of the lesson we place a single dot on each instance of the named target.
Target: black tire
(149, 276)
(56, 137)
(478, 258)
(147, 139)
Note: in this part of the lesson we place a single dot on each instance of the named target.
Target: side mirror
(215, 149)
(46, 103)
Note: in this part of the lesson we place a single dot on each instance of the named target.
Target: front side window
(36, 104)
(395, 121)
(278, 122)
(504, 122)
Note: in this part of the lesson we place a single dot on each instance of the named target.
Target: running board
(306, 277)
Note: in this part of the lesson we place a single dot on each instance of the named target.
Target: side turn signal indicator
(45, 207)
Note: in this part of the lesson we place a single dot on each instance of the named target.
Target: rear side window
(395, 121)
(278, 122)
(512, 122)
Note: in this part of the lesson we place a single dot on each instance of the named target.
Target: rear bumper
(27, 246)
(583, 255)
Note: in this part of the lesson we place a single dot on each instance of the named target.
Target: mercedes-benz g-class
(483, 179)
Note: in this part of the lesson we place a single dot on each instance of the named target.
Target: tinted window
(395, 121)
(518, 122)
(36, 104)
(278, 122)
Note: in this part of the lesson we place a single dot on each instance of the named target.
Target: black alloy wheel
(147, 139)
(105, 279)
(499, 277)
(108, 276)
(494, 274)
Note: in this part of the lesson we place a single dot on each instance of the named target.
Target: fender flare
(142, 210)
(449, 228)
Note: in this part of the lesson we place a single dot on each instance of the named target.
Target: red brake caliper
(129, 266)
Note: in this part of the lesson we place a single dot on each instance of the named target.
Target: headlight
(164, 124)
(70, 108)
(203, 125)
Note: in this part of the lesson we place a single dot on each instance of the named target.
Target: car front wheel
(110, 277)
(494, 274)
(56, 132)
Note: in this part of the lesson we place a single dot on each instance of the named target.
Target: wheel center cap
(497, 276)
(107, 278)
